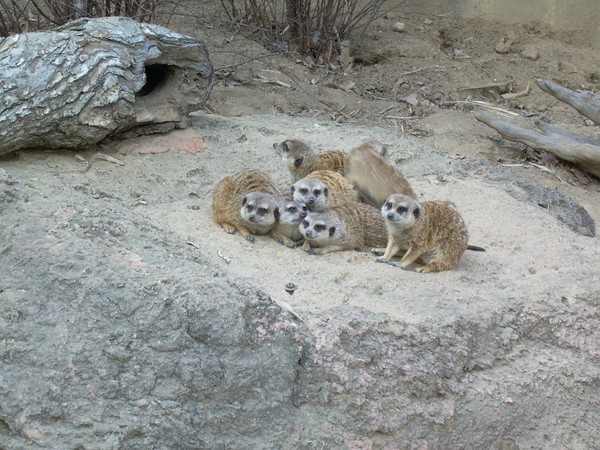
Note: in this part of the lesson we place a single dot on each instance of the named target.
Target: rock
(399, 27)
(530, 52)
(503, 47)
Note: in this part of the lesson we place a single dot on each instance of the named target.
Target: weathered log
(584, 102)
(561, 143)
(94, 79)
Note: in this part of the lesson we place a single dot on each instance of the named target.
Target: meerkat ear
(244, 201)
(331, 231)
(293, 190)
(276, 213)
(298, 161)
(326, 192)
(416, 212)
(285, 146)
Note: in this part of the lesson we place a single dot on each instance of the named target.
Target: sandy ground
(168, 179)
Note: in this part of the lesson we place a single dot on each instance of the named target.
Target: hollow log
(563, 144)
(94, 79)
(584, 102)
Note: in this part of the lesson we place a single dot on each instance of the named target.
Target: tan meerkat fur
(301, 160)
(374, 177)
(352, 226)
(431, 231)
(287, 230)
(322, 190)
(229, 194)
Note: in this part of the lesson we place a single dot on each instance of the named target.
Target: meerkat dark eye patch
(319, 227)
(416, 212)
(305, 223)
(388, 205)
(402, 210)
(317, 192)
(326, 192)
(304, 191)
(249, 208)
(292, 209)
(262, 211)
(331, 231)
(276, 213)
(304, 208)
(298, 161)
(285, 146)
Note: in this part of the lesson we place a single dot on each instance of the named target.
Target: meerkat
(373, 176)
(287, 230)
(431, 231)
(352, 226)
(322, 190)
(230, 199)
(301, 160)
(260, 212)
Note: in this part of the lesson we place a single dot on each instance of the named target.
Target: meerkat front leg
(227, 227)
(391, 250)
(325, 250)
(246, 234)
(306, 247)
(410, 257)
(281, 238)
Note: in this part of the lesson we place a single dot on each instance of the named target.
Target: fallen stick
(584, 102)
(561, 143)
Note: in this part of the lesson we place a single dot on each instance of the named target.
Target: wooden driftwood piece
(561, 143)
(98, 78)
(584, 102)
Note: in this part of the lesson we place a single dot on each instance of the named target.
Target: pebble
(399, 27)
(530, 52)
(503, 47)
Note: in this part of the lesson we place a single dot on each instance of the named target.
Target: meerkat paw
(294, 244)
(250, 238)
(381, 259)
(228, 228)
(378, 252)
(314, 251)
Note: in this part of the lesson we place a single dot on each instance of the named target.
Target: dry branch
(98, 78)
(584, 102)
(563, 144)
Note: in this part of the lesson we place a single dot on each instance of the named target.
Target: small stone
(530, 52)
(399, 27)
(427, 22)
(503, 47)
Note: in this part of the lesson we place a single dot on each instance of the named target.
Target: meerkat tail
(475, 248)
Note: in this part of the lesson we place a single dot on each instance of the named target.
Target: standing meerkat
(322, 190)
(432, 231)
(229, 200)
(301, 160)
(287, 230)
(373, 176)
(352, 226)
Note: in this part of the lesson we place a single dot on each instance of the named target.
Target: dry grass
(20, 16)
(313, 28)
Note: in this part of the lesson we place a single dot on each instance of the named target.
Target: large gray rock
(115, 333)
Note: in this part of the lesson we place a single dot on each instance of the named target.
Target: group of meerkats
(343, 201)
